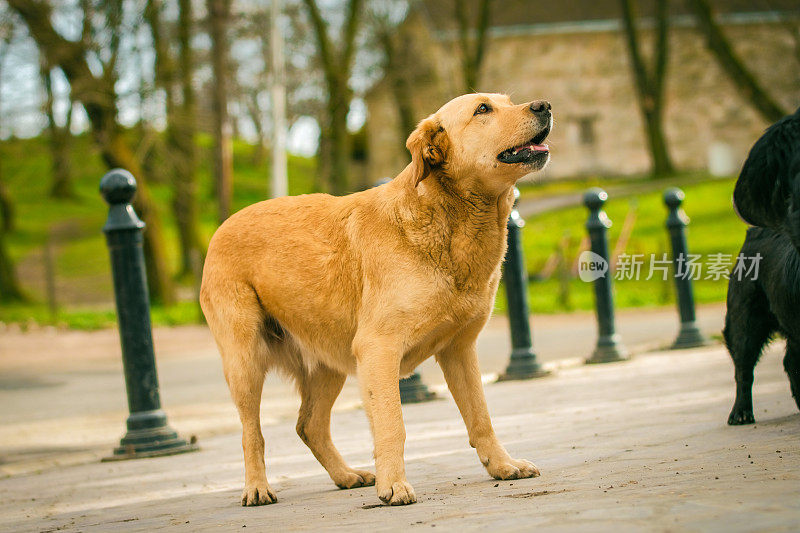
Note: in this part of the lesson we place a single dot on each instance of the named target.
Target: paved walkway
(634, 446)
(71, 384)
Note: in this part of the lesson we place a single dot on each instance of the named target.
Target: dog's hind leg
(791, 363)
(748, 326)
(319, 390)
(246, 381)
(237, 321)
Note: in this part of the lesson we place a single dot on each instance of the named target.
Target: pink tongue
(532, 147)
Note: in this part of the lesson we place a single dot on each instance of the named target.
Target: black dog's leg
(748, 326)
(791, 362)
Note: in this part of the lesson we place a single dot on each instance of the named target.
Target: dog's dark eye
(483, 108)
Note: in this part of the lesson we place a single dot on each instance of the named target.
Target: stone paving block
(635, 446)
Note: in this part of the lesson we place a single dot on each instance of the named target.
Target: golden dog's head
(482, 140)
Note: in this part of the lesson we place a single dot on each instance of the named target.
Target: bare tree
(472, 40)
(337, 65)
(6, 204)
(650, 82)
(181, 134)
(732, 64)
(60, 140)
(7, 212)
(252, 73)
(254, 77)
(96, 92)
(10, 290)
(793, 28)
(174, 76)
(399, 67)
(219, 13)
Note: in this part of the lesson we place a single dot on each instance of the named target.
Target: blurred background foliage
(648, 94)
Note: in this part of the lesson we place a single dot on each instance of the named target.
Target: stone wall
(587, 78)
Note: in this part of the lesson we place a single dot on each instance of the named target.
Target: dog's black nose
(540, 107)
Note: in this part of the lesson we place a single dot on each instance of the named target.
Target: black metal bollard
(523, 363)
(689, 335)
(148, 433)
(609, 348)
(413, 390)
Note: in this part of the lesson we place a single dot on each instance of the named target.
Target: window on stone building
(586, 134)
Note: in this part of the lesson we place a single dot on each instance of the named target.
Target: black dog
(767, 195)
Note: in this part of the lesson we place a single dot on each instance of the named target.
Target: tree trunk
(337, 66)
(6, 205)
(218, 15)
(401, 88)
(340, 141)
(650, 83)
(733, 65)
(7, 224)
(662, 164)
(473, 48)
(181, 134)
(10, 290)
(117, 154)
(60, 142)
(175, 78)
(259, 154)
(322, 181)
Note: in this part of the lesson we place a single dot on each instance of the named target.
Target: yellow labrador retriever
(372, 284)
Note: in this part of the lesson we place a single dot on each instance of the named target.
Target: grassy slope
(82, 262)
(82, 266)
(714, 228)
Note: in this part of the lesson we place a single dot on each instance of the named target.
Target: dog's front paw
(740, 416)
(512, 469)
(398, 493)
(352, 479)
(258, 494)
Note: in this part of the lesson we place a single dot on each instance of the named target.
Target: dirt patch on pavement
(534, 494)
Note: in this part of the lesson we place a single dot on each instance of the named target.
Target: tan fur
(372, 283)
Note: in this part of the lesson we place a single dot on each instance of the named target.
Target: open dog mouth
(527, 152)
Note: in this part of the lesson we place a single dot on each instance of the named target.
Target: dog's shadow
(777, 421)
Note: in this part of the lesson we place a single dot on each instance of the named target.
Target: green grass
(82, 267)
(96, 317)
(714, 228)
(535, 188)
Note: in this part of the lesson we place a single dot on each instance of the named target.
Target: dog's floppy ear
(428, 145)
(765, 184)
(760, 195)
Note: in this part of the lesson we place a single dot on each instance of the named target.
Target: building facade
(576, 57)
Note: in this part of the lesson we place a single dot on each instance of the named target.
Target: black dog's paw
(740, 416)
(794, 383)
